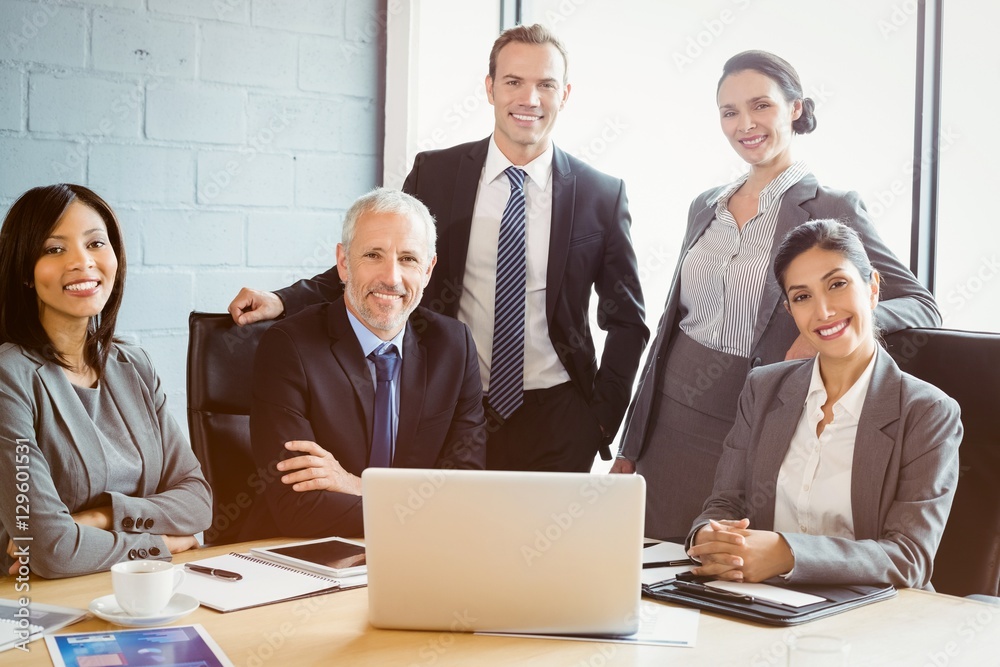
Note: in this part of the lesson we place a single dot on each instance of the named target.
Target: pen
(225, 575)
(669, 563)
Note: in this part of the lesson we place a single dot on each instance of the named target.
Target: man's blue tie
(507, 365)
(385, 359)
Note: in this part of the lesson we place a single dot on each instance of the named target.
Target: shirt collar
(539, 170)
(786, 179)
(370, 341)
(853, 399)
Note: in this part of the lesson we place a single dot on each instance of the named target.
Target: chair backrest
(219, 383)
(966, 366)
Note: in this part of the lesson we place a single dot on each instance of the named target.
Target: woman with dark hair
(102, 472)
(840, 469)
(723, 315)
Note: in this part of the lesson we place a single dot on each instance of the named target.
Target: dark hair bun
(806, 123)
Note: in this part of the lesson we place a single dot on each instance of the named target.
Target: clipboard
(836, 600)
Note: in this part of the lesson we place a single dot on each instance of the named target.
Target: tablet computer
(331, 556)
(175, 645)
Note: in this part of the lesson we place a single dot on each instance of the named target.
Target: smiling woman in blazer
(840, 469)
(94, 469)
(723, 315)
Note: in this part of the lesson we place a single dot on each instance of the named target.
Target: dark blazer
(311, 382)
(903, 477)
(903, 302)
(43, 420)
(590, 247)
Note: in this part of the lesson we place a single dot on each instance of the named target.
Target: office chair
(966, 366)
(219, 382)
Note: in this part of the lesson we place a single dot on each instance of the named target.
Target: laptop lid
(462, 550)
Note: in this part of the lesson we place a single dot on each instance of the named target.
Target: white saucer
(107, 607)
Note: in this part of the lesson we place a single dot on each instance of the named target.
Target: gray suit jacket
(48, 437)
(904, 303)
(903, 477)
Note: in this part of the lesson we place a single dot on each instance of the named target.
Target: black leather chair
(219, 379)
(966, 366)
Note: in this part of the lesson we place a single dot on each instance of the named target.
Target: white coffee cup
(144, 587)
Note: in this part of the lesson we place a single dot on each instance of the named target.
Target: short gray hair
(387, 200)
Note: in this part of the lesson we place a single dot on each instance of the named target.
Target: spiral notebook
(263, 583)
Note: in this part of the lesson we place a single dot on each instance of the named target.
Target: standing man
(526, 232)
(367, 380)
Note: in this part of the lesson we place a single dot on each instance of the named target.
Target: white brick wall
(42, 32)
(230, 136)
(195, 112)
(11, 99)
(99, 106)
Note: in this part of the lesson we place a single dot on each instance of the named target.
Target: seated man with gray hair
(370, 379)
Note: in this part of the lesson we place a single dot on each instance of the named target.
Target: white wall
(229, 135)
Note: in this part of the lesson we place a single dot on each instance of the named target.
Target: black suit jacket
(311, 382)
(590, 248)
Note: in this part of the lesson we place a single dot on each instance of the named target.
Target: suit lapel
(413, 385)
(561, 230)
(790, 216)
(347, 351)
(78, 422)
(778, 427)
(463, 204)
(873, 448)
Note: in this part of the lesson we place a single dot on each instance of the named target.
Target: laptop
(525, 552)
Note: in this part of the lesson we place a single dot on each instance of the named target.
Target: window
(968, 260)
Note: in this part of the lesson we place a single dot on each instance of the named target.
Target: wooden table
(916, 629)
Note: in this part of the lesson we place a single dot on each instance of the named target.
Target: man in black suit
(317, 417)
(576, 239)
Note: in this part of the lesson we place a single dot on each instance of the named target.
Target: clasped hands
(728, 549)
(316, 470)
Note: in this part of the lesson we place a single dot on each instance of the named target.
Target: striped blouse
(723, 275)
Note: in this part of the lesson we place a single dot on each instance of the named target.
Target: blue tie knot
(385, 357)
(516, 177)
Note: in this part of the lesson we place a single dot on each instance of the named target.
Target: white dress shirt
(542, 367)
(813, 493)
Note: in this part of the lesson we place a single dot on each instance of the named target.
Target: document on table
(659, 625)
(777, 594)
(658, 552)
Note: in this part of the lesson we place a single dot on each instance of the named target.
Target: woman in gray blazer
(94, 468)
(840, 469)
(723, 315)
